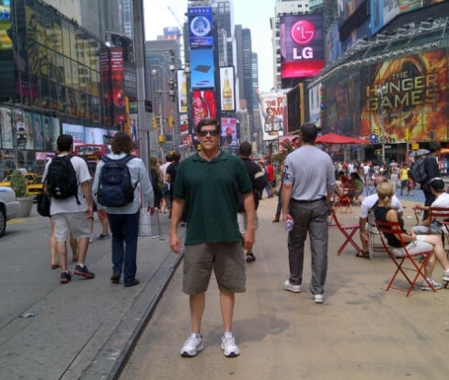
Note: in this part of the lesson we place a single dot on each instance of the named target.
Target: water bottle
(288, 225)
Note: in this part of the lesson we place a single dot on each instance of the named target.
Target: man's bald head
(380, 179)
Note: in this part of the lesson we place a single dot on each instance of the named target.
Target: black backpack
(115, 188)
(417, 171)
(61, 178)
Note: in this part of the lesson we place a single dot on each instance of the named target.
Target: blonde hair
(385, 191)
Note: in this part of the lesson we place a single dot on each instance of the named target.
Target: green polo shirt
(211, 191)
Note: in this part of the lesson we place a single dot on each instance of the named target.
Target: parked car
(36, 187)
(9, 207)
(29, 177)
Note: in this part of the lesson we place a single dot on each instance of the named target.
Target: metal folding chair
(348, 231)
(442, 215)
(401, 262)
(344, 199)
(374, 242)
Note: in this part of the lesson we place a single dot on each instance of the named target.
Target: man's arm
(87, 190)
(286, 195)
(177, 209)
(250, 211)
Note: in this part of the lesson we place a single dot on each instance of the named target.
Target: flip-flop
(362, 255)
(55, 266)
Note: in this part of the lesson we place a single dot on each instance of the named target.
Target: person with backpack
(119, 180)
(67, 182)
(432, 170)
(171, 175)
(259, 182)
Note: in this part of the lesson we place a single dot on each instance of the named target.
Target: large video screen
(302, 45)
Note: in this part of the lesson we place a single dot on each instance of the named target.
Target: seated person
(340, 182)
(415, 243)
(357, 187)
(366, 215)
(436, 186)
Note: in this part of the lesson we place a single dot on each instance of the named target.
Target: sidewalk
(82, 330)
(360, 332)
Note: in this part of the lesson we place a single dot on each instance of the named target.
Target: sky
(157, 16)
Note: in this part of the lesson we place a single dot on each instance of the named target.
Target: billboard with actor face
(302, 45)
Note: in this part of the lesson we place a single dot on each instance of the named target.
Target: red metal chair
(343, 200)
(442, 215)
(348, 231)
(401, 262)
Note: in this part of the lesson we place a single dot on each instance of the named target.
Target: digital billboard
(202, 66)
(204, 105)
(228, 131)
(182, 91)
(302, 45)
(200, 26)
(227, 94)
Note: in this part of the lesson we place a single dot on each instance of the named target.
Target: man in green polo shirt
(208, 185)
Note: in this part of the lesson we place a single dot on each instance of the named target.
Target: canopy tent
(333, 138)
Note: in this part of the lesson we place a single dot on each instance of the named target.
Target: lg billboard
(302, 45)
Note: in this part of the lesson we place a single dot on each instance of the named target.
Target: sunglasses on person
(212, 132)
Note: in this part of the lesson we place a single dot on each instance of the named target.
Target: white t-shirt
(370, 201)
(59, 206)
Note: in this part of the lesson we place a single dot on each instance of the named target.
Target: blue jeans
(125, 232)
(309, 218)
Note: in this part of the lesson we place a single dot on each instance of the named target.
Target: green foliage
(287, 148)
(18, 183)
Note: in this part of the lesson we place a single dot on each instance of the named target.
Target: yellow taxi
(29, 177)
(36, 187)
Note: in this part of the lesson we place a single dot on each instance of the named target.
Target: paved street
(88, 328)
(360, 332)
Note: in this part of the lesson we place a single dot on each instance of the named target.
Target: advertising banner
(182, 91)
(228, 131)
(272, 109)
(227, 95)
(200, 26)
(302, 45)
(204, 105)
(203, 72)
(406, 98)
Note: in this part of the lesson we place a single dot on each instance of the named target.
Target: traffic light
(155, 122)
(376, 131)
(407, 134)
(170, 121)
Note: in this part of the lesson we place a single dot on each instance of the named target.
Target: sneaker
(83, 271)
(65, 277)
(230, 349)
(436, 285)
(318, 298)
(192, 346)
(446, 275)
(103, 237)
(292, 288)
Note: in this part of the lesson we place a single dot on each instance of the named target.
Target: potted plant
(18, 183)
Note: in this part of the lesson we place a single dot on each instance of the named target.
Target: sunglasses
(212, 132)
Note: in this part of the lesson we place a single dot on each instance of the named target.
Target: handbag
(43, 204)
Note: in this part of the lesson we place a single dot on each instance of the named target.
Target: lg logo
(302, 33)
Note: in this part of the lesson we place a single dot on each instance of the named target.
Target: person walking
(432, 170)
(309, 182)
(124, 220)
(72, 213)
(208, 185)
(258, 181)
(171, 175)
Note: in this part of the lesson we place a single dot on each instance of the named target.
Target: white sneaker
(446, 275)
(436, 285)
(192, 346)
(292, 288)
(318, 298)
(229, 347)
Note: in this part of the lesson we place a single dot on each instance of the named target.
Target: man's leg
(227, 301)
(296, 239)
(197, 304)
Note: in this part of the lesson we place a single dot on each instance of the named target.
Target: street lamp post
(381, 92)
(160, 92)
